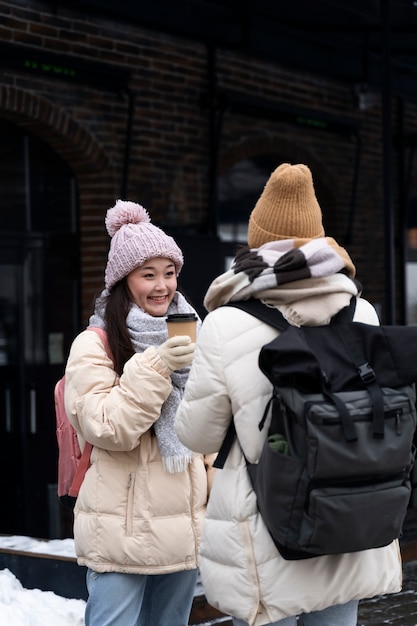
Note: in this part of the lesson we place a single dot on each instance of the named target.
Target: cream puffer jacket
(130, 516)
(242, 572)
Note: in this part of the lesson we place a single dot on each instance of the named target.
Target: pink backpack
(72, 464)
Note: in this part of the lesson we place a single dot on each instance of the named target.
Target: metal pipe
(389, 233)
(128, 143)
(351, 217)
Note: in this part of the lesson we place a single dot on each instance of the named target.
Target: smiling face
(153, 285)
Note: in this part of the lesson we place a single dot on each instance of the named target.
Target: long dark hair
(117, 306)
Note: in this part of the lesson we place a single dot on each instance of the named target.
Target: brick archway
(90, 165)
(67, 137)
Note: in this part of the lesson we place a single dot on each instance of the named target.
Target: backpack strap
(367, 376)
(270, 316)
(84, 462)
(366, 373)
(221, 457)
(82, 467)
(103, 336)
(265, 313)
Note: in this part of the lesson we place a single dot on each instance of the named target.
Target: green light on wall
(49, 68)
(308, 121)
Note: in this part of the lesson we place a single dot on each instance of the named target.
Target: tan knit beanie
(287, 208)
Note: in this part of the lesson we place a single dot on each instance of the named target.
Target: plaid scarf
(280, 273)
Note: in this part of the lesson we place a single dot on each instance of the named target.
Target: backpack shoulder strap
(82, 467)
(265, 313)
(103, 336)
(270, 316)
(365, 371)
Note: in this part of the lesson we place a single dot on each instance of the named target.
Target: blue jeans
(138, 600)
(337, 615)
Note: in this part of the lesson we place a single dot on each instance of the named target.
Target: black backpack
(334, 473)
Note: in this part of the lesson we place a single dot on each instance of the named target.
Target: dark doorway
(39, 315)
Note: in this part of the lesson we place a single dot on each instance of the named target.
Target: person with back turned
(291, 265)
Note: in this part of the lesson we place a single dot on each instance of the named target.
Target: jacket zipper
(129, 508)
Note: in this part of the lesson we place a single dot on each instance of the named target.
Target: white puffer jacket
(130, 515)
(242, 572)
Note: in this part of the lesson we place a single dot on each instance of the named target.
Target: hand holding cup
(177, 352)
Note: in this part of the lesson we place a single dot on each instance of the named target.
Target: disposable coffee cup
(182, 324)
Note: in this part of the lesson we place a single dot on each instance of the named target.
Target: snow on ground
(32, 607)
(55, 547)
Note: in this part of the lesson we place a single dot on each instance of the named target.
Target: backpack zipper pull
(398, 421)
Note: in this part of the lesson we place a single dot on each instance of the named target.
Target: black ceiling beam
(314, 43)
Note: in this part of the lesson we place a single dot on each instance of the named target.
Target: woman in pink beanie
(138, 515)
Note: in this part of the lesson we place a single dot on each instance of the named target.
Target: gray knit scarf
(145, 331)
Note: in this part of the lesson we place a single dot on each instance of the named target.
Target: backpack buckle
(366, 373)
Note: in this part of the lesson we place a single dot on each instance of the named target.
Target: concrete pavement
(398, 609)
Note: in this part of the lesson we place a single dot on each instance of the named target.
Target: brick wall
(165, 155)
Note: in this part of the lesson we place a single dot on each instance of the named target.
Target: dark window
(239, 188)
(36, 185)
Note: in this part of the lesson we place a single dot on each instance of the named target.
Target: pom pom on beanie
(135, 240)
(125, 213)
(287, 208)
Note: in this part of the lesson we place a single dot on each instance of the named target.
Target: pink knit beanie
(134, 241)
